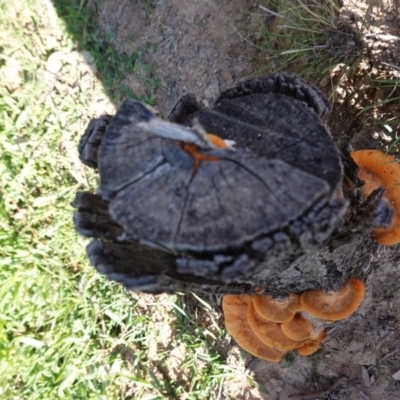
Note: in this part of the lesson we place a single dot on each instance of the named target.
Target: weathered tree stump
(273, 214)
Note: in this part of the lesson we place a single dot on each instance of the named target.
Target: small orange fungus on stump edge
(378, 169)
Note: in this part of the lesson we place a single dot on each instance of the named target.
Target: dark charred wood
(260, 123)
(144, 268)
(140, 267)
(287, 84)
(271, 214)
(350, 168)
(91, 139)
(92, 218)
(185, 107)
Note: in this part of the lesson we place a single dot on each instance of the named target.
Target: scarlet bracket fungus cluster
(268, 328)
(380, 170)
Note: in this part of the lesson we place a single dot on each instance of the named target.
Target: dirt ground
(200, 47)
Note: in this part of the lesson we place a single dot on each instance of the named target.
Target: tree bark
(312, 230)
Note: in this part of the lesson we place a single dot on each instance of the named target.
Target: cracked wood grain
(270, 213)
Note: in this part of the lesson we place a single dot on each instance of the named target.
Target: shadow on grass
(112, 66)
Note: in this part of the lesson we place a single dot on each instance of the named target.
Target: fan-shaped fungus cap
(309, 347)
(270, 333)
(301, 328)
(298, 328)
(377, 170)
(334, 306)
(235, 312)
(275, 310)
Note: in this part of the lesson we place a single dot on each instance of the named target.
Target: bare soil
(198, 47)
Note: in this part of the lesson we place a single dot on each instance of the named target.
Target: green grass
(313, 39)
(113, 66)
(384, 112)
(306, 37)
(66, 332)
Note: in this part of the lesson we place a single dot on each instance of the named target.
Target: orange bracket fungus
(248, 319)
(309, 348)
(298, 328)
(235, 312)
(275, 310)
(269, 332)
(380, 170)
(334, 306)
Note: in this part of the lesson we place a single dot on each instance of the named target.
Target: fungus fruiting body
(310, 347)
(276, 310)
(378, 169)
(334, 306)
(235, 312)
(252, 320)
(298, 328)
(269, 332)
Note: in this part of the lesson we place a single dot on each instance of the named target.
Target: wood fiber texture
(268, 213)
